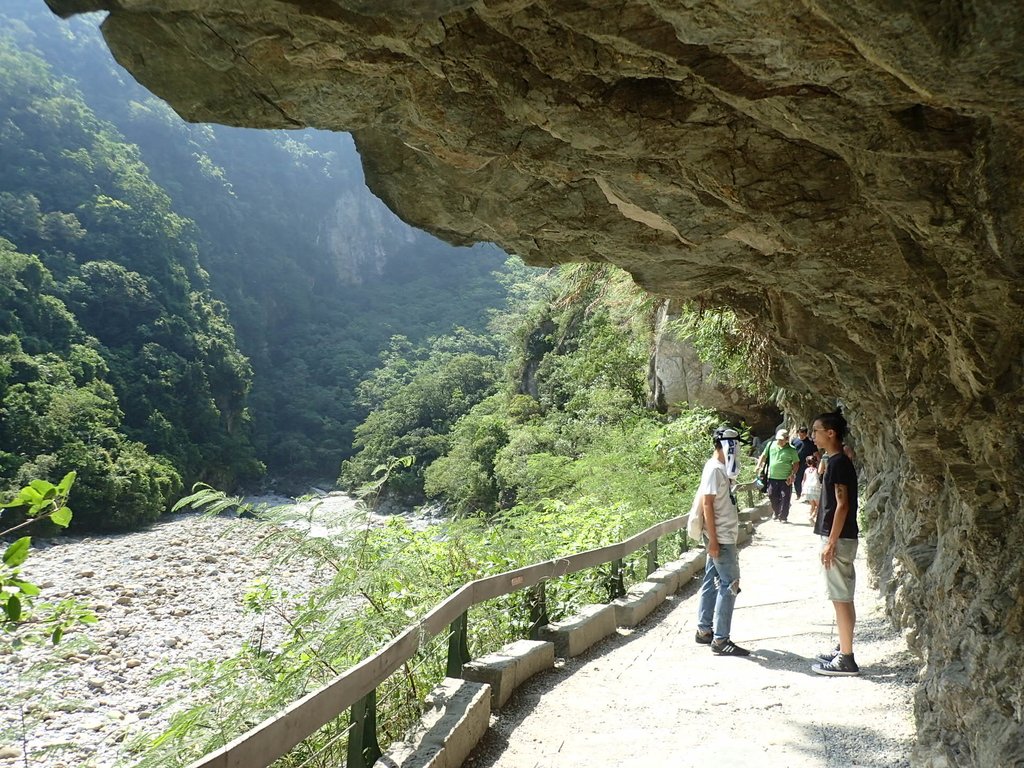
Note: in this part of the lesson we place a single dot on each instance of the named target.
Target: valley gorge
(845, 175)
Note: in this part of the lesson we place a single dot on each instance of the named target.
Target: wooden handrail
(276, 735)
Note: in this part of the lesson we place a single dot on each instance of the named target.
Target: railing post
(750, 496)
(684, 542)
(652, 557)
(458, 646)
(537, 597)
(618, 585)
(363, 749)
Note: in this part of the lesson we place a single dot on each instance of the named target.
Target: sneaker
(829, 655)
(704, 638)
(842, 665)
(728, 648)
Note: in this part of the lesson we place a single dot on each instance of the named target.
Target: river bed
(164, 597)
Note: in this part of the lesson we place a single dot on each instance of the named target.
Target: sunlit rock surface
(678, 377)
(845, 172)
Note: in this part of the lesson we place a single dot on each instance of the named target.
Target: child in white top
(812, 486)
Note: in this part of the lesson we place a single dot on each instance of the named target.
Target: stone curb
(458, 714)
(762, 511)
(639, 601)
(668, 576)
(688, 565)
(576, 634)
(507, 669)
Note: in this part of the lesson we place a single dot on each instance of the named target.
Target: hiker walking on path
(721, 536)
(783, 461)
(836, 523)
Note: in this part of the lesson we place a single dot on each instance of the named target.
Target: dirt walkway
(652, 697)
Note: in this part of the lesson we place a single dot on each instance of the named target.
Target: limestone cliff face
(359, 233)
(864, 155)
(679, 377)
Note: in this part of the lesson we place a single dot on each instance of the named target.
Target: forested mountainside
(228, 288)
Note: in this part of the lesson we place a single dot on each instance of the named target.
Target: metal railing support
(652, 557)
(363, 749)
(458, 646)
(537, 597)
(618, 582)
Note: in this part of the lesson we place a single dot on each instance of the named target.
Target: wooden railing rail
(277, 735)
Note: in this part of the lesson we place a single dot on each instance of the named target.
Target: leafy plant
(38, 501)
(26, 620)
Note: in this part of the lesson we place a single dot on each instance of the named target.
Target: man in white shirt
(721, 534)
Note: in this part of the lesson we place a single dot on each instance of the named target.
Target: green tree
(124, 267)
(419, 395)
(60, 410)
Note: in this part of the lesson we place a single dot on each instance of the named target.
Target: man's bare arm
(709, 524)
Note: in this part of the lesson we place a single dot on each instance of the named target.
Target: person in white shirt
(721, 582)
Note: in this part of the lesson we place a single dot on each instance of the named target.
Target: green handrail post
(458, 646)
(537, 598)
(652, 557)
(363, 749)
(618, 585)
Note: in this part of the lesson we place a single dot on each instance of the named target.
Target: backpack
(695, 522)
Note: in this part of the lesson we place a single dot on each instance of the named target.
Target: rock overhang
(844, 173)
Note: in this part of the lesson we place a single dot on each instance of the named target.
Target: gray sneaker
(703, 638)
(842, 665)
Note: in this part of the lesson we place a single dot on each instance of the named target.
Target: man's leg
(706, 604)
(846, 618)
(773, 497)
(728, 567)
(798, 483)
(786, 496)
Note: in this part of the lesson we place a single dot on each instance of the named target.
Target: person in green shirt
(783, 462)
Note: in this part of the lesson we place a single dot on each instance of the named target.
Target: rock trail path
(652, 697)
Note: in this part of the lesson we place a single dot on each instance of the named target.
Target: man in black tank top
(836, 523)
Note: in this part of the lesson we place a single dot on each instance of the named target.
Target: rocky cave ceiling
(847, 174)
